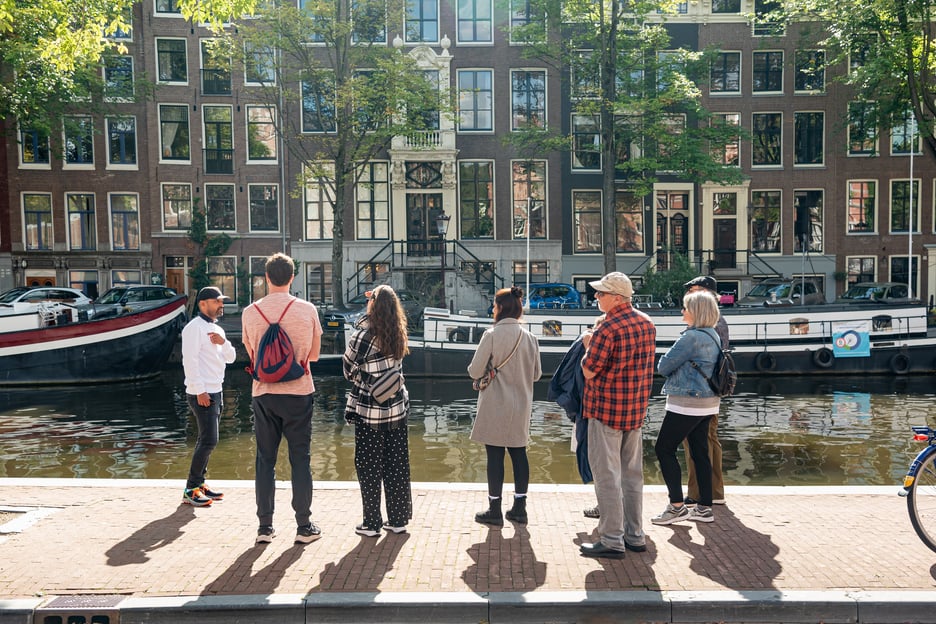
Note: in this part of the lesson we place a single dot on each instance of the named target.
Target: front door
(725, 243)
(672, 231)
(422, 235)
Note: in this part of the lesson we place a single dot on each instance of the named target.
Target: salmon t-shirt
(301, 324)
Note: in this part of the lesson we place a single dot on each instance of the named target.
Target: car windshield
(763, 290)
(111, 296)
(863, 292)
(12, 295)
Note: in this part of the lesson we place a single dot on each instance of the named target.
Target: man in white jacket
(205, 352)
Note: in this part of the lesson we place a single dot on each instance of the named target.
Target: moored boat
(819, 339)
(61, 346)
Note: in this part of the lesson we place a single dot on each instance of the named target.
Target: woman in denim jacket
(690, 405)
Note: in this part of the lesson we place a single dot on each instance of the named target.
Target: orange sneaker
(196, 498)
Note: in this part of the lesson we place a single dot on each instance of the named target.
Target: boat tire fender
(459, 334)
(765, 362)
(900, 364)
(823, 358)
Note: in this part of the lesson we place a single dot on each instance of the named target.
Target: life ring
(823, 358)
(765, 362)
(900, 364)
(459, 334)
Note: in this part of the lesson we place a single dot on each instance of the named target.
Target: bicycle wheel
(921, 502)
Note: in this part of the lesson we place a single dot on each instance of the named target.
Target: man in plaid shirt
(618, 368)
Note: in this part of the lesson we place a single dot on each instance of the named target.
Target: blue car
(557, 296)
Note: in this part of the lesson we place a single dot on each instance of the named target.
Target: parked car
(122, 299)
(557, 295)
(877, 292)
(23, 299)
(335, 319)
(780, 291)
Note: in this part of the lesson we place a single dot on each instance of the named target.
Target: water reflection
(795, 431)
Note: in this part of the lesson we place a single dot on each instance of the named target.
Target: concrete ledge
(763, 606)
(18, 611)
(397, 607)
(579, 606)
(243, 609)
(893, 607)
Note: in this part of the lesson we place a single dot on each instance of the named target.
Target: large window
(728, 154)
(861, 269)
(807, 220)
(528, 99)
(809, 73)
(219, 207)
(370, 21)
(862, 131)
(121, 141)
(765, 221)
(766, 139)
(174, 132)
(585, 75)
(905, 136)
(215, 69)
(81, 222)
(726, 73)
(37, 220)
(319, 282)
(526, 17)
(318, 102)
(475, 21)
(903, 197)
(168, 6)
(264, 207)
(373, 202)
(768, 72)
(320, 203)
(586, 142)
(862, 206)
(422, 21)
(261, 134)
(34, 148)
(222, 272)
(628, 211)
(118, 79)
(475, 100)
(900, 274)
(809, 133)
(177, 206)
(586, 219)
(219, 139)
(259, 64)
(171, 61)
(529, 203)
(79, 140)
(476, 199)
(125, 221)
(726, 6)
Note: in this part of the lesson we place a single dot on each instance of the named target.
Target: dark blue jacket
(566, 388)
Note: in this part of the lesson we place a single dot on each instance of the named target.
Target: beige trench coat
(505, 407)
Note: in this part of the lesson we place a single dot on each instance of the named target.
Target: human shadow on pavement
(365, 566)
(239, 579)
(633, 572)
(504, 564)
(154, 535)
(733, 555)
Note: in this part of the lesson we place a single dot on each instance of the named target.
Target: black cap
(210, 292)
(704, 281)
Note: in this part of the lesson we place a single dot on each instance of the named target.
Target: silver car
(775, 291)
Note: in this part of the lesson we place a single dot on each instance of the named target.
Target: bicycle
(919, 487)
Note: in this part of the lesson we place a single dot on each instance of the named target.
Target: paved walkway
(773, 554)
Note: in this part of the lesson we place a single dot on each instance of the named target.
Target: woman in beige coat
(505, 406)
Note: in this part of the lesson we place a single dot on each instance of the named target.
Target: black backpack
(275, 359)
(724, 374)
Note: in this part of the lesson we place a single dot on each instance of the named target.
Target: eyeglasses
(602, 293)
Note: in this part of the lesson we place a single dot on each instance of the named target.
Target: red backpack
(275, 359)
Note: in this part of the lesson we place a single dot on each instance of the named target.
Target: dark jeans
(694, 429)
(277, 416)
(381, 458)
(208, 419)
(495, 469)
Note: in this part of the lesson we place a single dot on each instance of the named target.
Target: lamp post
(442, 223)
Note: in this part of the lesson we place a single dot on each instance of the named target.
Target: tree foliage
(623, 71)
(342, 99)
(883, 49)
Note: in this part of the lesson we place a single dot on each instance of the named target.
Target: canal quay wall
(127, 552)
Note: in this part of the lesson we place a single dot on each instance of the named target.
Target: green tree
(667, 286)
(643, 95)
(884, 49)
(340, 103)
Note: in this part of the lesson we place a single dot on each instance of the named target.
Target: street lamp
(442, 223)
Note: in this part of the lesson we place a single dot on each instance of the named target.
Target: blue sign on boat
(851, 339)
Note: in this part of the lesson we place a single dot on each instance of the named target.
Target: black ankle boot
(493, 515)
(518, 512)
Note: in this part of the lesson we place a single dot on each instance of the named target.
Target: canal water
(778, 431)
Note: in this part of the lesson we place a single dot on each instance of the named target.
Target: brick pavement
(133, 538)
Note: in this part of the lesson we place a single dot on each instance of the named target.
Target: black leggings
(675, 429)
(495, 469)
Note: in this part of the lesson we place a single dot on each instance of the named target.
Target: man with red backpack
(282, 334)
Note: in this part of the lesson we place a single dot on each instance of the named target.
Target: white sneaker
(671, 514)
(701, 514)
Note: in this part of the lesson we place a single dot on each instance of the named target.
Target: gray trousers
(278, 416)
(616, 459)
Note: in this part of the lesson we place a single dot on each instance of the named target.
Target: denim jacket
(682, 379)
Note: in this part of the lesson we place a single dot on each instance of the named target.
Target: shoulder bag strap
(516, 346)
(696, 366)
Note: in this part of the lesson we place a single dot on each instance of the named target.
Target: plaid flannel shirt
(621, 354)
(362, 364)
